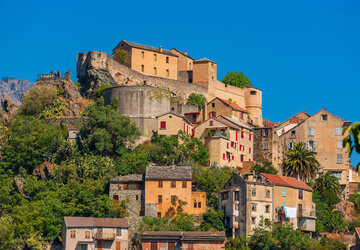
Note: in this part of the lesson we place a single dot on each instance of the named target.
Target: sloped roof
(128, 178)
(190, 235)
(183, 53)
(150, 48)
(236, 122)
(179, 115)
(232, 105)
(168, 173)
(223, 122)
(95, 222)
(204, 60)
(286, 181)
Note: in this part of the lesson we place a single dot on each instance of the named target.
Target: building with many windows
(249, 198)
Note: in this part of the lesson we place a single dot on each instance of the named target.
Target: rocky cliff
(14, 88)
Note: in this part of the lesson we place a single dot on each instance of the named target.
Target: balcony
(104, 236)
(217, 134)
(306, 213)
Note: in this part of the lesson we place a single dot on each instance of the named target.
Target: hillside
(14, 87)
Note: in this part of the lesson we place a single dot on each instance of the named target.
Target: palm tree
(301, 163)
(327, 182)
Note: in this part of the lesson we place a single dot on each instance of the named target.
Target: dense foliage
(301, 163)
(327, 182)
(237, 79)
(121, 55)
(352, 140)
(266, 167)
(197, 99)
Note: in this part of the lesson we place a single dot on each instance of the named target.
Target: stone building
(183, 240)
(166, 187)
(248, 198)
(322, 133)
(229, 141)
(94, 233)
(149, 60)
(185, 66)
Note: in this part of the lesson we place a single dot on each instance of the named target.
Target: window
(137, 197)
(167, 59)
(173, 184)
(253, 220)
(199, 204)
(173, 199)
(195, 204)
(213, 105)
(116, 197)
(337, 174)
(267, 193)
(142, 68)
(236, 196)
(167, 73)
(267, 209)
(241, 115)
(236, 207)
(266, 132)
(249, 150)
(338, 131)
(160, 184)
(311, 131)
(284, 204)
(324, 117)
(339, 144)
(266, 145)
(155, 71)
(242, 134)
(249, 137)
(211, 123)
(142, 54)
(163, 125)
(155, 57)
(118, 231)
(293, 133)
(184, 184)
(242, 158)
(87, 234)
(310, 145)
(300, 194)
(284, 192)
(72, 234)
(212, 114)
(159, 216)
(253, 207)
(339, 158)
(189, 65)
(227, 145)
(159, 198)
(253, 192)
(252, 92)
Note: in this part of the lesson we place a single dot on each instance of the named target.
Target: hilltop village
(226, 138)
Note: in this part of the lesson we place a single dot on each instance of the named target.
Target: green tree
(211, 179)
(181, 222)
(266, 167)
(120, 55)
(213, 221)
(301, 163)
(107, 132)
(197, 99)
(29, 142)
(352, 140)
(327, 182)
(237, 79)
(35, 101)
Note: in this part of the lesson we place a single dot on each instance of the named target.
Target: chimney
(160, 49)
(185, 52)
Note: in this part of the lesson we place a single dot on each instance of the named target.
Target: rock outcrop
(14, 88)
(347, 208)
(19, 183)
(9, 108)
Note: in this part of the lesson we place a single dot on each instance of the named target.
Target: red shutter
(249, 150)
(232, 158)
(249, 159)
(224, 156)
(187, 129)
(162, 125)
(236, 135)
(241, 158)
(227, 145)
(250, 137)
(242, 134)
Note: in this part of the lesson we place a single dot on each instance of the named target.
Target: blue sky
(304, 55)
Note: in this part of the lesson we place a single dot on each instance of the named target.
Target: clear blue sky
(302, 54)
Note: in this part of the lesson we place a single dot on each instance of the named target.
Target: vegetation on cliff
(237, 79)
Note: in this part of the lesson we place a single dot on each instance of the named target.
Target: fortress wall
(218, 89)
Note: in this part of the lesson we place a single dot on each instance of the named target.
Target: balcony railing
(217, 134)
(105, 236)
(304, 213)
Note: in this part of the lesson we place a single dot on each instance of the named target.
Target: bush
(120, 55)
(37, 99)
(197, 99)
(101, 89)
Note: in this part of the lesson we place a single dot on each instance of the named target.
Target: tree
(300, 163)
(197, 99)
(327, 182)
(181, 222)
(237, 79)
(29, 142)
(266, 167)
(107, 132)
(37, 99)
(120, 55)
(352, 140)
(213, 221)
(211, 179)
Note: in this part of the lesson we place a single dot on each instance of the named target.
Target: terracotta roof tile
(224, 122)
(233, 105)
(286, 181)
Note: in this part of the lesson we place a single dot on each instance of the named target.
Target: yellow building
(170, 123)
(149, 60)
(230, 142)
(168, 189)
